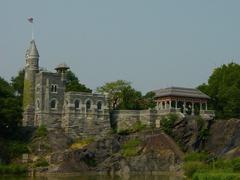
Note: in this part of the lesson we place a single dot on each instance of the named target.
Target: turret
(61, 69)
(31, 68)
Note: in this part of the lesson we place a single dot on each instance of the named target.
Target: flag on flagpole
(30, 19)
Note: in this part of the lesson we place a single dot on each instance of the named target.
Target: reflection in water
(94, 177)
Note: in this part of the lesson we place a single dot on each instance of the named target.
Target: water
(95, 177)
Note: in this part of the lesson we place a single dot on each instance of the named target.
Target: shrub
(167, 123)
(236, 165)
(216, 176)
(130, 148)
(16, 148)
(41, 163)
(136, 127)
(13, 169)
(196, 156)
(192, 167)
(41, 131)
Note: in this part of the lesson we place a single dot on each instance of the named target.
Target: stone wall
(83, 122)
(125, 119)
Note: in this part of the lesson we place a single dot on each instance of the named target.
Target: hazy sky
(152, 43)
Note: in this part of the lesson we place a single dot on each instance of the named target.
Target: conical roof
(32, 51)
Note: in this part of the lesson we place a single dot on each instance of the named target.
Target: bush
(236, 165)
(130, 148)
(13, 169)
(167, 123)
(216, 176)
(136, 127)
(41, 163)
(196, 156)
(41, 131)
(192, 167)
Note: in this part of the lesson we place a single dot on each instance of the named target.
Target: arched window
(88, 105)
(53, 104)
(77, 104)
(53, 88)
(99, 105)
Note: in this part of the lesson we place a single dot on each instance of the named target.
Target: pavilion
(177, 99)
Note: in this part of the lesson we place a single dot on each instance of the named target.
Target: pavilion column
(193, 108)
(200, 106)
(170, 104)
(184, 107)
(206, 105)
(176, 104)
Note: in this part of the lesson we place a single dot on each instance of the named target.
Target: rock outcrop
(155, 152)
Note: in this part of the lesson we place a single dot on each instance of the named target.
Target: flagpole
(32, 31)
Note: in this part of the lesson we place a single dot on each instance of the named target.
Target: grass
(81, 143)
(201, 166)
(130, 148)
(136, 127)
(216, 176)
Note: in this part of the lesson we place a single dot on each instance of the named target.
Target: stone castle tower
(31, 69)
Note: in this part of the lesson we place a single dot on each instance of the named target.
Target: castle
(81, 114)
(46, 102)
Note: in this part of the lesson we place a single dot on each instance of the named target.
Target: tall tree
(73, 84)
(224, 89)
(10, 110)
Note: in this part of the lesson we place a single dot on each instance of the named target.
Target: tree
(73, 84)
(10, 110)
(224, 89)
(121, 95)
(114, 91)
(18, 84)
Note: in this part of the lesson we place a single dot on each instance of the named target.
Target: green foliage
(27, 94)
(41, 162)
(136, 127)
(196, 156)
(236, 165)
(216, 176)
(10, 110)
(192, 167)
(16, 169)
(41, 131)
(203, 130)
(130, 148)
(167, 123)
(121, 95)
(18, 84)
(224, 88)
(203, 166)
(73, 84)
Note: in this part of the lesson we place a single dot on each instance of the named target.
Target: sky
(151, 43)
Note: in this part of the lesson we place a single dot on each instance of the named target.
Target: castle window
(53, 104)
(88, 105)
(38, 104)
(77, 104)
(54, 88)
(99, 105)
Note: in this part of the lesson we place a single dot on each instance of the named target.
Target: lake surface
(94, 177)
